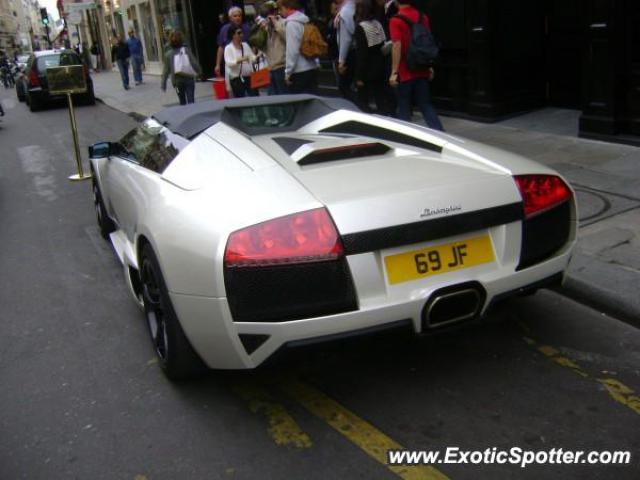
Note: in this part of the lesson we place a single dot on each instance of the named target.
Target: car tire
(34, 105)
(176, 356)
(89, 97)
(105, 223)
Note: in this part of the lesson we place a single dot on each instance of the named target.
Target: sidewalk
(605, 269)
(145, 99)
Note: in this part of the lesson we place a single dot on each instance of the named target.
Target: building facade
(9, 26)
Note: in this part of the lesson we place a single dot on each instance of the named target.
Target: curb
(600, 299)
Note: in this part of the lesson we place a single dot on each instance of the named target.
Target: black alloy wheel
(105, 223)
(19, 92)
(175, 354)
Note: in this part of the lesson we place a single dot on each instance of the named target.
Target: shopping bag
(260, 78)
(182, 65)
(220, 88)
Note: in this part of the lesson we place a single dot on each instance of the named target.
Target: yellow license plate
(438, 259)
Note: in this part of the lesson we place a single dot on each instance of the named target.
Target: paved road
(83, 398)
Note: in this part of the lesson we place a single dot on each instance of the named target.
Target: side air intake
(364, 129)
(310, 154)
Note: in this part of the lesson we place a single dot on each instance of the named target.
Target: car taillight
(33, 79)
(541, 192)
(302, 237)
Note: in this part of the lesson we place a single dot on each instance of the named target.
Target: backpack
(423, 49)
(312, 44)
(258, 37)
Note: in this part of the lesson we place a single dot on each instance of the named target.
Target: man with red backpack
(410, 72)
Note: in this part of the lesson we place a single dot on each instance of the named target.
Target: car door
(133, 175)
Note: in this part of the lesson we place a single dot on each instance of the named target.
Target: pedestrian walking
(137, 58)
(120, 54)
(410, 85)
(345, 28)
(371, 80)
(85, 54)
(182, 66)
(235, 21)
(300, 72)
(239, 58)
(95, 53)
(275, 47)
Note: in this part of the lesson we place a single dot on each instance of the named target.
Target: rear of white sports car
(355, 223)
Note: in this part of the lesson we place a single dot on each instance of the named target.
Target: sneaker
(138, 83)
(126, 87)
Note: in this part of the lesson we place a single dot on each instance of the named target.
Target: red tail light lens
(303, 237)
(541, 192)
(33, 78)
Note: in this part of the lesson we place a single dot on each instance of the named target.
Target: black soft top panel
(190, 120)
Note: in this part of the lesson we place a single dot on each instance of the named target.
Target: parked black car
(33, 84)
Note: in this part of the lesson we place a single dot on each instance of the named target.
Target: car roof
(190, 120)
(40, 53)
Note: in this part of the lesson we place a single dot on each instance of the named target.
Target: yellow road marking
(363, 434)
(621, 393)
(282, 427)
(616, 389)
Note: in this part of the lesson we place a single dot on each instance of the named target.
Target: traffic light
(44, 16)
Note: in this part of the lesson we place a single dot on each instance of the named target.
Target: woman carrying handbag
(183, 67)
(239, 59)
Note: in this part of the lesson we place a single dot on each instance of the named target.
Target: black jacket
(120, 51)
(370, 63)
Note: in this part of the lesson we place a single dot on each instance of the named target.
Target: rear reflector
(33, 78)
(303, 237)
(541, 192)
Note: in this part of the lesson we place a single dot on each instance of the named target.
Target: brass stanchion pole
(74, 130)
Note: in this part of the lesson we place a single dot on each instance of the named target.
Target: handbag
(182, 65)
(260, 77)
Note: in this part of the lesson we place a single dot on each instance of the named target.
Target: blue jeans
(185, 88)
(136, 65)
(123, 66)
(417, 90)
(277, 85)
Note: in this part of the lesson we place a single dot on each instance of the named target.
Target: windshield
(57, 60)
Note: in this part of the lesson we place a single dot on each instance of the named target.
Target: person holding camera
(274, 47)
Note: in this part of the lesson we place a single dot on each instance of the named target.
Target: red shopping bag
(260, 79)
(220, 88)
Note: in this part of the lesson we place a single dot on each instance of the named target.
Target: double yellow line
(285, 431)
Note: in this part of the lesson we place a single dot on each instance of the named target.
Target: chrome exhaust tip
(453, 304)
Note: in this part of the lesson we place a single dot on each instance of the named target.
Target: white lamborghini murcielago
(246, 225)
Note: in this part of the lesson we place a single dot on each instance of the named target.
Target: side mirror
(100, 150)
